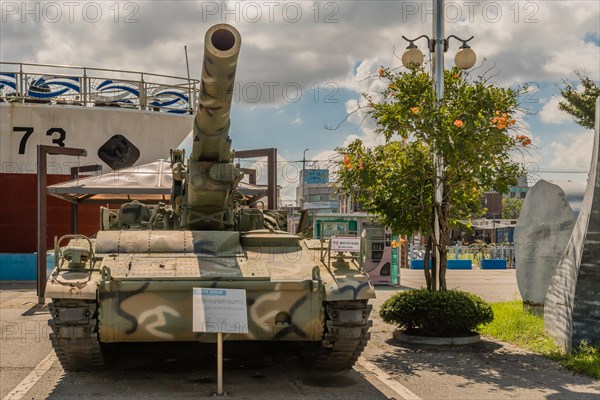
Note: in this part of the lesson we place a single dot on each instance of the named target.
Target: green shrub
(443, 313)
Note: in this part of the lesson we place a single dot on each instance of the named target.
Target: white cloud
(358, 115)
(529, 40)
(564, 61)
(297, 119)
(260, 41)
(567, 157)
(344, 43)
(573, 152)
(550, 113)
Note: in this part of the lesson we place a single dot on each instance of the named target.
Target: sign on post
(343, 244)
(219, 311)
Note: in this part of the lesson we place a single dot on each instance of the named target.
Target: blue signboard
(518, 189)
(318, 176)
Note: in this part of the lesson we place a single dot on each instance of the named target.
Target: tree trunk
(426, 259)
(444, 230)
(443, 267)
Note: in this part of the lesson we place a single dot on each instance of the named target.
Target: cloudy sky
(304, 65)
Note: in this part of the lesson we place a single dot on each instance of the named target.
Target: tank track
(346, 335)
(75, 334)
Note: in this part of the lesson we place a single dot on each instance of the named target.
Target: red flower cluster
(524, 140)
(396, 244)
(349, 164)
(347, 161)
(504, 121)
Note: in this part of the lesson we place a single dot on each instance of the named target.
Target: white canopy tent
(148, 183)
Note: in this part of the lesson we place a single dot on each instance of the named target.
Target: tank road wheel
(346, 335)
(75, 334)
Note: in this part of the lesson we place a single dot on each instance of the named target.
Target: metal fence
(474, 252)
(96, 87)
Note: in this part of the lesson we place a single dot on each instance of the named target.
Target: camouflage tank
(133, 282)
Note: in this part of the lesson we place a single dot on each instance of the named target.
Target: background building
(316, 192)
(520, 190)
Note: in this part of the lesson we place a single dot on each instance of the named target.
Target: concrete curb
(437, 341)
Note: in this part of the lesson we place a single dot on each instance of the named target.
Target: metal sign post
(220, 363)
(42, 221)
(220, 311)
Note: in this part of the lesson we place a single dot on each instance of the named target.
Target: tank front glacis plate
(341, 281)
(147, 296)
(342, 285)
(162, 311)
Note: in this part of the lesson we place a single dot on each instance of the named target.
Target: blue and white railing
(89, 87)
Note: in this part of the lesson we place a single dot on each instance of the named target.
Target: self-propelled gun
(134, 281)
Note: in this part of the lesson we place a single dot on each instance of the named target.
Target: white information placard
(220, 310)
(345, 244)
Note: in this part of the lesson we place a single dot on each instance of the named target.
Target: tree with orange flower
(474, 130)
(580, 104)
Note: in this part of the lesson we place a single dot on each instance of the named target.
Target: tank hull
(292, 295)
(147, 296)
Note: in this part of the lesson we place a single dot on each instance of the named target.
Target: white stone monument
(572, 305)
(543, 229)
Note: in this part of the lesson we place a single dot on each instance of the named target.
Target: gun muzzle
(211, 131)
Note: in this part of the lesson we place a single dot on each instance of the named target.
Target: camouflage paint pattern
(143, 281)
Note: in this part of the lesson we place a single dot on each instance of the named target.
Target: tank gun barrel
(203, 192)
(211, 127)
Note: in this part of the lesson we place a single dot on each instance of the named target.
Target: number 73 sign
(58, 136)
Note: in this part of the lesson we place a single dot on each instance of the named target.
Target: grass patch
(514, 325)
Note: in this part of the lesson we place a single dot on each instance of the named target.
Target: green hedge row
(440, 313)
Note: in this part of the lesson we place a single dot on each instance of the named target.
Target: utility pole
(303, 179)
(438, 161)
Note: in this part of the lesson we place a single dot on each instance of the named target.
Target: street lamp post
(465, 58)
(303, 179)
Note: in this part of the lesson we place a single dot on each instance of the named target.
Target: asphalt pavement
(388, 369)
